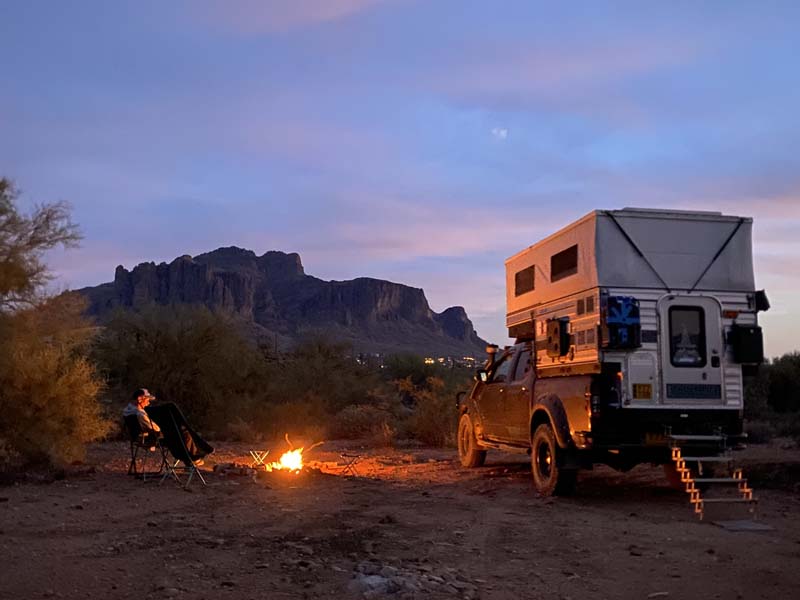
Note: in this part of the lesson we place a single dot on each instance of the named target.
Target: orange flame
(290, 461)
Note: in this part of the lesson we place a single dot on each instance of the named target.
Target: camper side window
(687, 336)
(564, 264)
(524, 280)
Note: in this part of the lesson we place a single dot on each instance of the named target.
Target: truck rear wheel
(470, 454)
(548, 477)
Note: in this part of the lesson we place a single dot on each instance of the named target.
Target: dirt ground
(412, 525)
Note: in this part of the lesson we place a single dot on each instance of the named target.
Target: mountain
(274, 293)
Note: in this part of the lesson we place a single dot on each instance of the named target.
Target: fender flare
(552, 406)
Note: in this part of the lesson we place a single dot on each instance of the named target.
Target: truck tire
(548, 478)
(470, 454)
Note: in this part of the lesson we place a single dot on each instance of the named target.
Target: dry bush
(362, 421)
(47, 386)
(187, 355)
(434, 420)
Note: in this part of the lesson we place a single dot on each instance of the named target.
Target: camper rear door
(691, 350)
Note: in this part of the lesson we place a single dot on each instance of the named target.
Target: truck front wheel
(548, 477)
(470, 454)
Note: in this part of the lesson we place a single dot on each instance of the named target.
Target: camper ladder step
(697, 438)
(718, 480)
(689, 481)
(719, 459)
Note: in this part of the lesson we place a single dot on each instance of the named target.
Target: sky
(422, 142)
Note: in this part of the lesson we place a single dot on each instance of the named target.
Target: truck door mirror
(482, 375)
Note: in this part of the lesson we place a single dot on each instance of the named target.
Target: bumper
(647, 427)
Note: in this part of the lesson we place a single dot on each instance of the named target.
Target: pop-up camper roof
(634, 248)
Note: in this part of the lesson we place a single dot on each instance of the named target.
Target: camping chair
(350, 459)
(172, 423)
(141, 441)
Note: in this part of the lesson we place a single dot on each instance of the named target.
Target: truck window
(524, 281)
(523, 365)
(564, 264)
(501, 371)
(687, 336)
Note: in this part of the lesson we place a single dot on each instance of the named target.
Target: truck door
(516, 400)
(490, 399)
(691, 350)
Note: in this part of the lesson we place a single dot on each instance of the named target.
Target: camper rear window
(524, 281)
(687, 336)
(564, 264)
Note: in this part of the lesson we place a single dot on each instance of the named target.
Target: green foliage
(48, 389)
(187, 355)
(784, 383)
(772, 399)
(434, 420)
(23, 241)
(324, 373)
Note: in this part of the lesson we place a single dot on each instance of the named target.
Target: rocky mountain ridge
(274, 293)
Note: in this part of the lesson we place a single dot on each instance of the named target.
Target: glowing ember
(290, 461)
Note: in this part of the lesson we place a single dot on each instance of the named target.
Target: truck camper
(633, 330)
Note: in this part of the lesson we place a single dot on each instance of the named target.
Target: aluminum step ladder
(696, 486)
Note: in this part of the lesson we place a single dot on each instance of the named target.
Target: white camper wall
(580, 234)
(679, 246)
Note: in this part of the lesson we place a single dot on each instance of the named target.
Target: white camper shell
(685, 283)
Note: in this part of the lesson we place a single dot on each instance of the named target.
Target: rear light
(730, 314)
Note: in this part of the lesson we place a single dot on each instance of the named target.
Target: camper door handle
(715, 362)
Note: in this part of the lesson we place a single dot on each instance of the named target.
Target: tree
(48, 388)
(23, 241)
(187, 355)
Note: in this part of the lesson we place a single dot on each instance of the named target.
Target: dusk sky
(417, 141)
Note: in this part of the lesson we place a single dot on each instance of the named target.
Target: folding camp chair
(173, 424)
(141, 441)
(350, 460)
(259, 458)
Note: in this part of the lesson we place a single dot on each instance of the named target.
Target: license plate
(642, 391)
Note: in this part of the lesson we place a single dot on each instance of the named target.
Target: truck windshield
(687, 336)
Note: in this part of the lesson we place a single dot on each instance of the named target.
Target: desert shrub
(362, 421)
(434, 419)
(306, 418)
(784, 383)
(760, 432)
(188, 355)
(325, 372)
(48, 388)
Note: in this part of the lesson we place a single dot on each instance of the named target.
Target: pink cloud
(250, 17)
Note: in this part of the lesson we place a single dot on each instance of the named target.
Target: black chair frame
(140, 441)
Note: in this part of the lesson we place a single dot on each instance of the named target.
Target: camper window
(687, 336)
(564, 264)
(524, 281)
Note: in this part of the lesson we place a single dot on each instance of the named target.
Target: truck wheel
(548, 477)
(470, 454)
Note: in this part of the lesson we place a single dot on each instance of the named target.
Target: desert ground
(413, 524)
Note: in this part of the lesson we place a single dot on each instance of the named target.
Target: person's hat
(142, 392)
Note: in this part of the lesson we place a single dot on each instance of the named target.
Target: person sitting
(166, 413)
(140, 401)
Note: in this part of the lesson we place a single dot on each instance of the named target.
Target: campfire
(291, 460)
